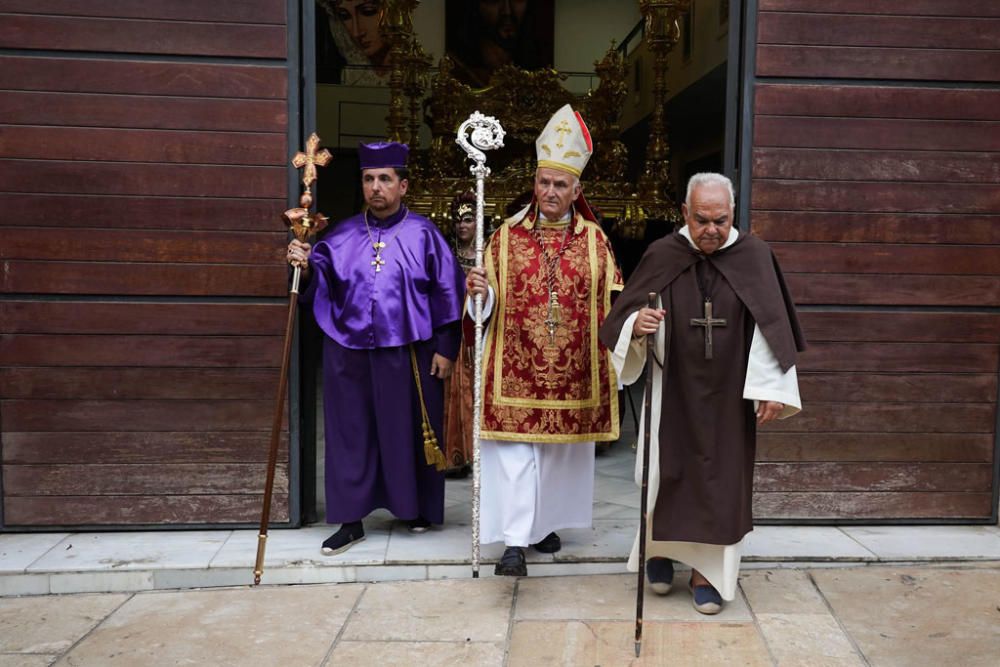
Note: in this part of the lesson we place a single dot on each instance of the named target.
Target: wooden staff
(643, 500)
(487, 134)
(302, 225)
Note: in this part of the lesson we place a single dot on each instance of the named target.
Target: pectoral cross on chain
(708, 322)
(553, 321)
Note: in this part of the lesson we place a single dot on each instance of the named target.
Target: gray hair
(710, 178)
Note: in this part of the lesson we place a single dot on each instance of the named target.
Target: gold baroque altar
(523, 101)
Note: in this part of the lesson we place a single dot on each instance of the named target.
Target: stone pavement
(44, 563)
(874, 615)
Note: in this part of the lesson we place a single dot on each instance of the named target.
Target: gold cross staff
(310, 159)
(300, 220)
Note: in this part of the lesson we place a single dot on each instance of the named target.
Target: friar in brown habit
(726, 338)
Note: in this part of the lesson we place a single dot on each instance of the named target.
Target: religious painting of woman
(483, 35)
(350, 48)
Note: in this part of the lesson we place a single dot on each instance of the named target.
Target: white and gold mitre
(565, 142)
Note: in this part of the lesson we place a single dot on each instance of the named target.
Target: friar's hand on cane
(646, 323)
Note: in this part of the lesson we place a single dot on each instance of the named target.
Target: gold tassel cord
(432, 453)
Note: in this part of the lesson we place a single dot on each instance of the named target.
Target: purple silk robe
(374, 443)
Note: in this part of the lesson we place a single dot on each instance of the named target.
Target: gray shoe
(660, 575)
(706, 599)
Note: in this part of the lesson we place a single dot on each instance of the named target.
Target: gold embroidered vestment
(545, 383)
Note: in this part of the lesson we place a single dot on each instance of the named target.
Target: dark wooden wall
(875, 173)
(142, 175)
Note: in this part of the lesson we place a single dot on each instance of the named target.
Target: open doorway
(348, 98)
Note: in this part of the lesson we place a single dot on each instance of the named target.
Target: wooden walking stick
(302, 224)
(643, 500)
(487, 134)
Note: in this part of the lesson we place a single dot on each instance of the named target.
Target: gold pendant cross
(708, 322)
(553, 321)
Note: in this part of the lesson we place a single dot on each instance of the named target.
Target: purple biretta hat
(383, 154)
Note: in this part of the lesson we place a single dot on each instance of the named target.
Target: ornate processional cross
(301, 221)
(708, 322)
(310, 159)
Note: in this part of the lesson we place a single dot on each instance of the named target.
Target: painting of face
(359, 19)
(483, 35)
(350, 49)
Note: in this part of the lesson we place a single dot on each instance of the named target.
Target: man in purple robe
(385, 289)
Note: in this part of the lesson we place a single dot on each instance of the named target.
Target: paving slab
(293, 625)
(118, 552)
(610, 644)
(816, 640)
(450, 543)
(301, 548)
(26, 660)
(24, 584)
(611, 597)
(51, 624)
(928, 542)
(439, 654)
(782, 592)
(19, 550)
(609, 539)
(100, 582)
(609, 510)
(803, 543)
(918, 616)
(610, 486)
(452, 610)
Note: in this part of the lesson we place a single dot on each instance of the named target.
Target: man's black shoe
(549, 545)
(419, 525)
(458, 473)
(349, 533)
(512, 563)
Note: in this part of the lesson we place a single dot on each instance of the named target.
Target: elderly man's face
(555, 191)
(709, 217)
(383, 190)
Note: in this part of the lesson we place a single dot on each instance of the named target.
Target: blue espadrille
(706, 599)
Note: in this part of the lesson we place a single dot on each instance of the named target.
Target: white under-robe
(530, 489)
(765, 381)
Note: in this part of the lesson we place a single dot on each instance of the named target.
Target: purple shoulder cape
(420, 288)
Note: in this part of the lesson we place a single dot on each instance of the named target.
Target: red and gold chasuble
(546, 376)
